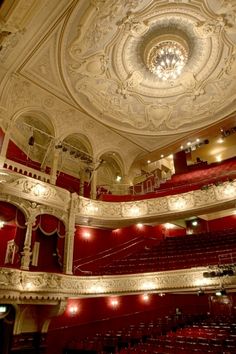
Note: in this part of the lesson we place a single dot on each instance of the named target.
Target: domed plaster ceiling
(104, 63)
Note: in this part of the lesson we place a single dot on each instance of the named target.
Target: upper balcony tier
(21, 185)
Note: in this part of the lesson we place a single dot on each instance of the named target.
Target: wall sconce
(2, 224)
(73, 309)
(146, 298)
(86, 235)
(114, 303)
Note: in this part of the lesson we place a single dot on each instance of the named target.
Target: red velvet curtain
(49, 232)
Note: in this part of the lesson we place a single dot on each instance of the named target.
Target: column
(69, 239)
(5, 143)
(54, 167)
(93, 193)
(26, 254)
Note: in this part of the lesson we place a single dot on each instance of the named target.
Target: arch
(79, 141)
(10, 199)
(41, 115)
(32, 138)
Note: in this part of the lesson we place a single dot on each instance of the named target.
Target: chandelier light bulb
(167, 59)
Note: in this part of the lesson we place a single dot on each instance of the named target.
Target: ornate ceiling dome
(151, 67)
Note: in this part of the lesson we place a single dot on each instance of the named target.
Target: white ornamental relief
(133, 26)
(226, 191)
(35, 189)
(105, 15)
(157, 205)
(228, 12)
(204, 197)
(112, 209)
(181, 202)
(22, 93)
(209, 28)
(136, 209)
(10, 35)
(133, 80)
(93, 66)
(158, 113)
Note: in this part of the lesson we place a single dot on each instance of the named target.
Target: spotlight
(31, 141)
(200, 292)
(220, 292)
(58, 146)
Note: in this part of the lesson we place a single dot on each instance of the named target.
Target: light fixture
(220, 292)
(194, 223)
(86, 235)
(118, 178)
(167, 58)
(148, 161)
(73, 309)
(1, 224)
(200, 292)
(31, 141)
(114, 303)
(3, 309)
(162, 156)
(220, 140)
(146, 297)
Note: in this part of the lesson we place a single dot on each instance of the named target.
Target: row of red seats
(176, 254)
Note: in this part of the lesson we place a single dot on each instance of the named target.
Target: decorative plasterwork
(53, 199)
(174, 205)
(104, 67)
(21, 97)
(29, 192)
(27, 286)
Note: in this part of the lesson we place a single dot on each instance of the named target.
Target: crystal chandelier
(167, 59)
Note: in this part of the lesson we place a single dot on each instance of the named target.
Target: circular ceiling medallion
(150, 67)
(166, 56)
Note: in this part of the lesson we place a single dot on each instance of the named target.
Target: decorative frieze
(56, 201)
(24, 285)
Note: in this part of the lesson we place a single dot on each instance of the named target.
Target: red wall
(227, 222)
(93, 312)
(103, 240)
(16, 154)
(220, 224)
